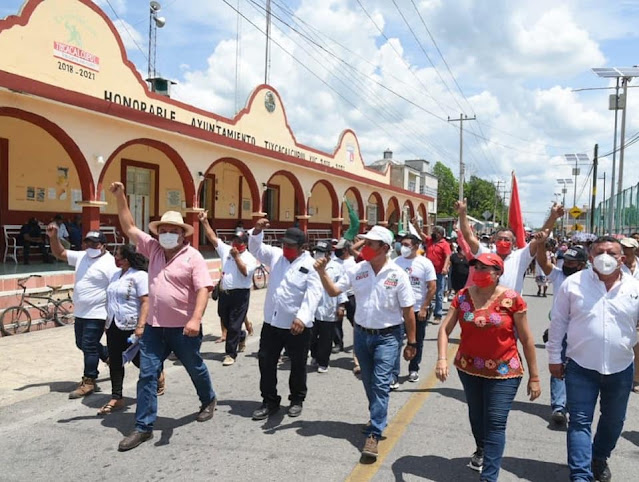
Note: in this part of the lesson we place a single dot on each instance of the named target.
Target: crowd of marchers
(150, 296)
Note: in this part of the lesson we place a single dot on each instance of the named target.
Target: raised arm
(422, 233)
(56, 246)
(327, 282)
(464, 226)
(556, 212)
(126, 218)
(208, 230)
(264, 253)
(542, 260)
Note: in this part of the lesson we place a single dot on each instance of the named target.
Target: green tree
(481, 195)
(447, 190)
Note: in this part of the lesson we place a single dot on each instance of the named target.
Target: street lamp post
(564, 190)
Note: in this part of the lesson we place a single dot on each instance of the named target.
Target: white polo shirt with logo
(380, 297)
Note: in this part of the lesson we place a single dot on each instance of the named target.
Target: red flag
(515, 219)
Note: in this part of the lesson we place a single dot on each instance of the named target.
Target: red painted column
(90, 219)
(336, 227)
(191, 218)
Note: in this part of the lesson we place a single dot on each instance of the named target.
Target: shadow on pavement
(59, 387)
(528, 469)
(243, 408)
(632, 437)
(432, 467)
(351, 432)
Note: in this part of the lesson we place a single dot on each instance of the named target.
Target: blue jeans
(398, 360)
(439, 295)
(155, 345)
(377, 355)
(88, 332)
(489, 401)
(558, 386)
(583, 386)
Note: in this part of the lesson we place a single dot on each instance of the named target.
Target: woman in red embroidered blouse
(488, 362)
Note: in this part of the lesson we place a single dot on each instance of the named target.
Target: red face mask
(119, 262)
(367, 253)
(482, 278)
(289, 253)
(240, 247)
(504, 247)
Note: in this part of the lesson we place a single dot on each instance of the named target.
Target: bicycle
(260, 277)
(17, 319)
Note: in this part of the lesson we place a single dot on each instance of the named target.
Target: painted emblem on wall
(350, 152)
(269, 101)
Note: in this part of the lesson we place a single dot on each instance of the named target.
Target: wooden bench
(12, 241)
(114, 239)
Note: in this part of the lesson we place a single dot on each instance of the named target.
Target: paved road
(45, 436)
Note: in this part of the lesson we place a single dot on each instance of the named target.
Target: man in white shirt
(575, 260)
(94, 268)
(516, 262)
(598, 310)
(423, 279)
(384, 296)
(294, 291)
(238, 266)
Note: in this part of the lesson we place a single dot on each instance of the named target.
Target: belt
(382, 331)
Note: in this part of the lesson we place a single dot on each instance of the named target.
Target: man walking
(238, 266)
(438, 251)
(598, 310)
(179, 287)
(422, 276)
(294, 291)
(385, 300)
(94, 268)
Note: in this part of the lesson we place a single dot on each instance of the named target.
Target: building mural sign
(76, 55)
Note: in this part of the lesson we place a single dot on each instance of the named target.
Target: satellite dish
(155, 6)
(160, 21)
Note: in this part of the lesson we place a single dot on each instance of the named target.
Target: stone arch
(299, 207)
(381, 211)
(246, 172)
(332, 193)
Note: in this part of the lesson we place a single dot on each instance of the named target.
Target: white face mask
(168, 240)
(93, 252)
(406, 251)
(605, 264)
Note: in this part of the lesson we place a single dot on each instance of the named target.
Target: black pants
(321, 341)
(232, 307)
(27, 251)
(338, 336)
(272, 341)
(117, 344)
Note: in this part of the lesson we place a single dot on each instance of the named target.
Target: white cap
(379, 233)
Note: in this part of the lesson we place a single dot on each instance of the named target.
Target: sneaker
(413, 377)
(314, 362)
(370, 447)
(601, 471)
(322, 369)
(394, 384)
(477, 460)
(134, 439)
(559, 417)
(228, 361)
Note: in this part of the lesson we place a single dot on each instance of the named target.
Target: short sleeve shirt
(515, 266)
(123, 298)
(438, 253)
(420, 271)
(488, 345)
(92, 277)
(173, 284)
(232, 278)
(380, 297)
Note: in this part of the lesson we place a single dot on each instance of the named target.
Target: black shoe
(477, 460)
(559, 417)
(206, 413)
(336, 349)
(600, 470)
(295, 410)
(265, 412)
(134, 439)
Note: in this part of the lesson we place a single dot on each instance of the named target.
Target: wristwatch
(412, 345)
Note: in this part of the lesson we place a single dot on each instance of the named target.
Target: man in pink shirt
(179, 287)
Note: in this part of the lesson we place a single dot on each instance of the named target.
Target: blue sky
(517, 64)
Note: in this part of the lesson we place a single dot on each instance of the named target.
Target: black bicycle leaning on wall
(17, 319)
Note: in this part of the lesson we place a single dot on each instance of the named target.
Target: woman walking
(127, 308)
(488, 362)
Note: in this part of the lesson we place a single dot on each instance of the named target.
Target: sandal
(111, 407)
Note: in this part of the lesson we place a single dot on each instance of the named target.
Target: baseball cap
(488, 259)
(576, 253)
(629, 243)
(379, 233)
(323, 246)
(241, 235)
(342, 243)
(294, 236)
(96, 237)
(412, 237)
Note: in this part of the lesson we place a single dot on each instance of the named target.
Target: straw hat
(174, 219)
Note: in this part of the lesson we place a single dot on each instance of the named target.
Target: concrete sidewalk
(36, 363)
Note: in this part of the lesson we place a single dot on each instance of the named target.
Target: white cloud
(131, 38)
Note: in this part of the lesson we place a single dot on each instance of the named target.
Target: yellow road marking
(398, 424)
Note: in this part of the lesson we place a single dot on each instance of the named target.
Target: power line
(123, 23)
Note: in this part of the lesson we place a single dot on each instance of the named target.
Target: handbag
(215, 294)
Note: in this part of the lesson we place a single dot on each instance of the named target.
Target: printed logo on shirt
(414, 281)
(362, 275)
(391, 281)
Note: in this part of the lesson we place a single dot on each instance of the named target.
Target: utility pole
(461, 120)
(496, 198)
(595, 161)
(267, 56)
(575, 172)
